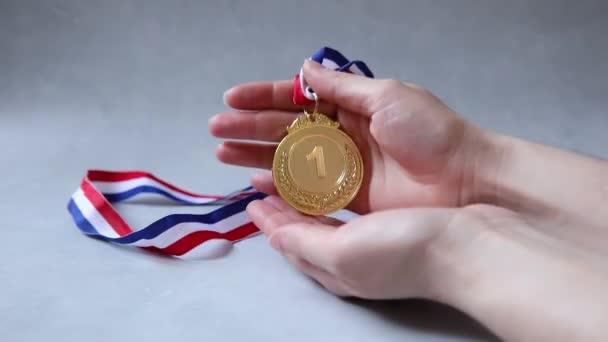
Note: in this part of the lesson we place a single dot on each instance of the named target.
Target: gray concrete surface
(130, 84)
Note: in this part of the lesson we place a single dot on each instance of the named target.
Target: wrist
(515, 283)
(538, 181)
(447, 262)
(483, 152)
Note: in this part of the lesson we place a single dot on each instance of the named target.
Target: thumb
(355, 93)
(311, 242)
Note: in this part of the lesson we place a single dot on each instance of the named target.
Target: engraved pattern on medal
(321, 202)
(312, 120)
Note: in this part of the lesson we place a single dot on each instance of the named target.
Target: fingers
(246, 154)
(267, 217)
(262, 181)
(311, 242)
(263, 126)
(326, 279)
(273, 214)
(261, 95)
(277, 95)
(355, 93)
(281, 205)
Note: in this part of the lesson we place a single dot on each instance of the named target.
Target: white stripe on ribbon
(92, 215)
(117, 187)
(183, 229)
(355, 69)
(330, 64)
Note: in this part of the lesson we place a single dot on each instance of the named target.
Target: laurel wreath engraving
(314, 202)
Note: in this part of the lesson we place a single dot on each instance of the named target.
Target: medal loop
(316, 108)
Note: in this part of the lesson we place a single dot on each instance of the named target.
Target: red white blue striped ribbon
(331, 59)
(179, 235)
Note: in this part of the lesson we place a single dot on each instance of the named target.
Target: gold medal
(317, 168)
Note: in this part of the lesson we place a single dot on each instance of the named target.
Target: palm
(385, 184)
(392, 180)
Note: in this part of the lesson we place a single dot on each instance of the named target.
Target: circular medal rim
(348, 140)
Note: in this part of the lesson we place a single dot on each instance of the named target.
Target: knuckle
(423, 92)
(392, 85)
(396, 89)
(385, 93)
(336, 79)
(414, 86)
(274, 220)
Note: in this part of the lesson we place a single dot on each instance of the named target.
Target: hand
(484, 260)
(379, 255)
(416, 151)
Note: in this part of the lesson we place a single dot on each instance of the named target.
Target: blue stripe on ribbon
(125, 195)
(329, 53)
(339, 59)
(83, 224)
(361, 65)
(165, 223)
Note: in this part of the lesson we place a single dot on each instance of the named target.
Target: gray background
(131, 84)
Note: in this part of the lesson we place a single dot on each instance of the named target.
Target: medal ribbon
(179, 235)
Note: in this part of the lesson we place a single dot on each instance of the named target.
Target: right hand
(486, 261)
(416, 150)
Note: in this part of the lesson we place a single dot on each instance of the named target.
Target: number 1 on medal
(317, 155)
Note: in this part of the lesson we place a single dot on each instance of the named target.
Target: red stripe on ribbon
(105, 208)
(190, 241)
(298, 93)
(110, 176)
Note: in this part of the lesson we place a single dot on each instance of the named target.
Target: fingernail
(210, 123)
(226, 94)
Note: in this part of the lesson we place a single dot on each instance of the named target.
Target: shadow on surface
(429, 317)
